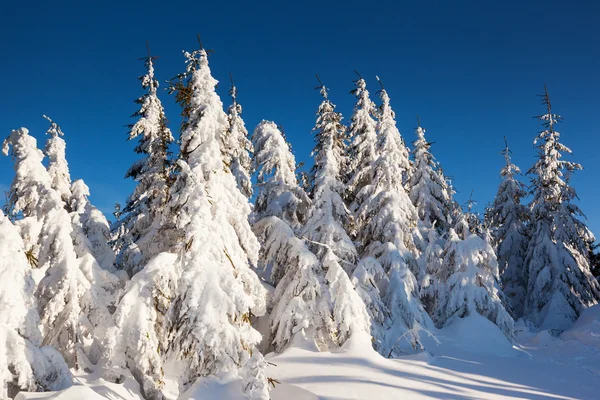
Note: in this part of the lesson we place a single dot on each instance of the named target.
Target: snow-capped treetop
(203, 99)
(273, 158)
(152, 171)
(389, 135)
(28, 194)
(329, 149)
(507, 212)
(472, 217)
(362, 151)
(429, 190)
(58, 168)
(238, 146)
(137, 241)
(93, 224)
(547, 182)
(278, 191)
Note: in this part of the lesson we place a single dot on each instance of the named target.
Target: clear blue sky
(470, 69)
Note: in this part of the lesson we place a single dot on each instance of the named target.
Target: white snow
(92, 387)
(586, 329)
(474, 360)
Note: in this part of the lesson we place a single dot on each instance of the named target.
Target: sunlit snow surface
(472, 361)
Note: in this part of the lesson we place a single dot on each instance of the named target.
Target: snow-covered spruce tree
(289, 264)
(95, 229)
(278, 196)
(58, 168)
(507, 218)
(468, 280)
(328, 215)
(560, 285)
(428, 188)
(72, 299)
(214, 293)
(140, 237)
(279, 193)
(386, 213)
(23, 364)
(362, 151)
(324, 229)
(238, 146)
(386, 220)
(298, 279)
(91, 228)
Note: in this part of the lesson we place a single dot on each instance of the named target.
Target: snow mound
(92, 387)
(224, 387)
(72, 393)
(586, 329)
(474, 334)
(357, 343)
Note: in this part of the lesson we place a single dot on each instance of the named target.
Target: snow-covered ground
(473, 360)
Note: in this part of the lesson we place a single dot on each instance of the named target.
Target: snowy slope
(92, 387)
(473, 360)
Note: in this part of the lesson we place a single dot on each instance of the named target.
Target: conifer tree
(386, 220)
(72, 296)
(560, 285)
(328, 214)
(386, 213)
(290, 266)
(468, 280)
(429, 190)
(507, 218)
(24, 364)
(324, 229)
(58, 168)
(92, 232)
(278, 196)
(472, 217)
(219, 241)
(208, 303)
(279, 193)
(362, 151)
(140, 238)
(238, 145)
(90, 228)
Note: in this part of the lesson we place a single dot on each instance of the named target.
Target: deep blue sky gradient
(470, 69)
